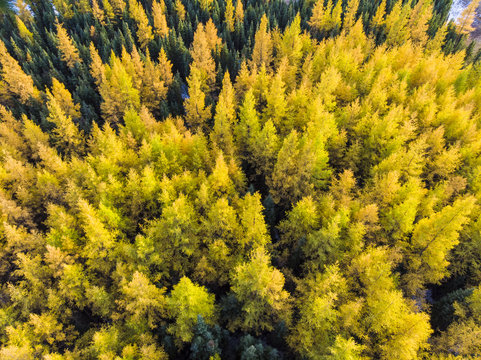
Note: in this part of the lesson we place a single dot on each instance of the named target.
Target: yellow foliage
(67, 48)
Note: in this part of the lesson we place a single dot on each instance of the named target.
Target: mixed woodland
(239, 179)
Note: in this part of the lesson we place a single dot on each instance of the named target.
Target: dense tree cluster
(243, 179)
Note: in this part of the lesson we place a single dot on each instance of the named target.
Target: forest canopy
(239, 179)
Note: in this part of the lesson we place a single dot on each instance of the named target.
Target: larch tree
(301, 220)
(262, 53)
(144, 30)
(144, 303)
(350, 16)
(396, 328)
(379, 17)
(66, 134)
(396, 24)
(97, 12)
(84, 7)
(247, 126)
(433, 237)
(264, 146)
(289, 182)
(239, 12)
(160, 22)
(117, 91)
(155, 81)
(326, 18)
(23, 11)
(224, 118)
(252, 222)
(185, 303)
(213, 39)
(202, 59)
(229, 16)
(22, 29)
(64, 8)
(165, 68)
(118, 6)
(170, 241)
(465, 21)
(319, 314)
(14, 82)
(418, 22)
(180, 10)
(259, 288)
(64, 99)
(97, 69)
(276, 107)
(206, 5)
(67, 48)
(197, 113)
(100, 241)
(108, 9)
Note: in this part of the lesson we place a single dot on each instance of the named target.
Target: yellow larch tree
(465, 21)
(96, 65)
(224, 118)
(239, 12)
(260, 289)
(160, 21)
(202, 56)
(97, 12)
(262, 53)
(64, 99)
(436, 43)
(397, 24)
(326, 18)
(64, 8)
(378, 18)
(205, 4)
(118, 6)
(108, 9)
(22, 29)
(213, 39)
(67, 48)
(196, 111)
(83, 6)
(13, 81)
(229, 15)
(418, 22)
(180, 10)
(350, 14)
(144, 30)
(117, 91)
(66, 135)
(154, 83)
(165, 68)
